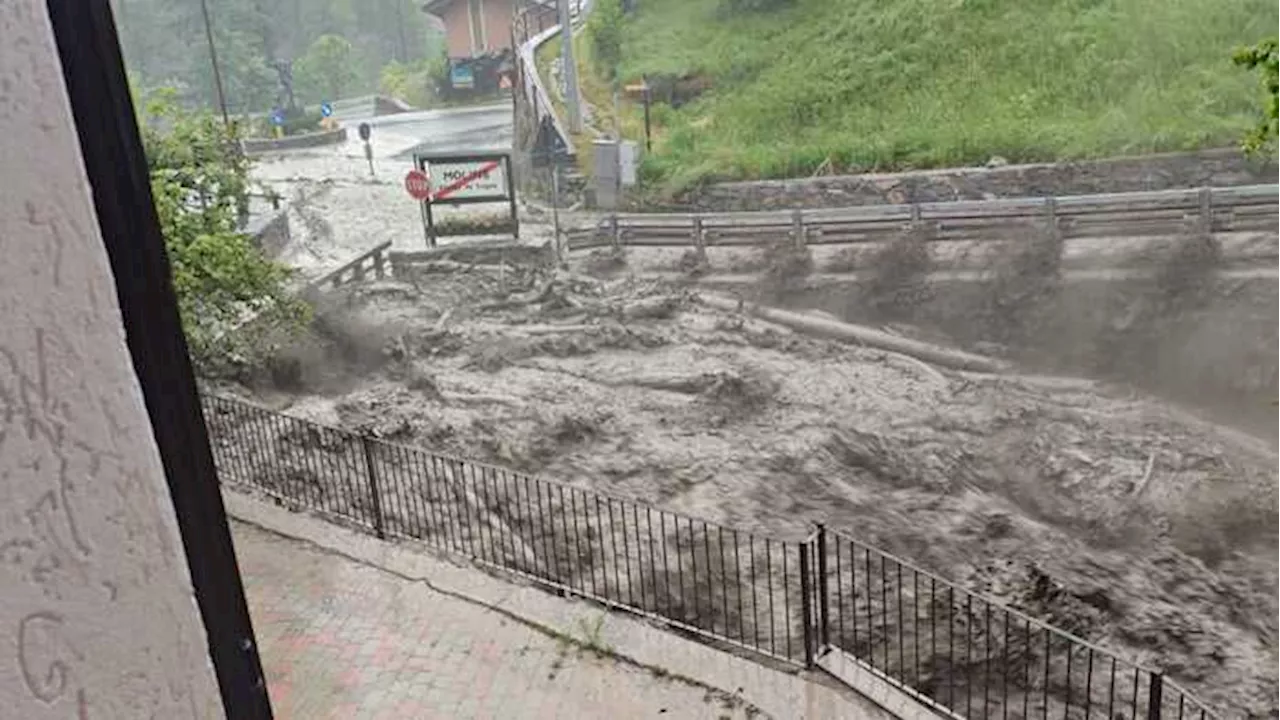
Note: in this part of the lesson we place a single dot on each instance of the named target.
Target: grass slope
(898, 84)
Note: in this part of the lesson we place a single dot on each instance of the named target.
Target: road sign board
(326, 110)
(364, 131)
(418, 184)
(464, 180)
(461, 77)
(469, 180)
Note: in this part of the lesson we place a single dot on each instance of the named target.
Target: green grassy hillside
(895, 84)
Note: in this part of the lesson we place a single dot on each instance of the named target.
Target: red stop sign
(418, 185)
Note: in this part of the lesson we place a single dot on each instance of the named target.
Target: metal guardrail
(532, 26)
(798, 601)
(1137, 214)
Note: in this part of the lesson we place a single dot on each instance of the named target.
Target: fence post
(698, 241)
(824, 617)
(1155, 698)
(1051, 215)
(917, 225)
(806, 602)
(797, 228)
(613, 228)
(1206, 212)
(375, 496)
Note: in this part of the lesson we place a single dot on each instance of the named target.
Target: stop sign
(418, 185)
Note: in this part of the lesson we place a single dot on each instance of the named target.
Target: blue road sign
(277, 118)
(326, 109)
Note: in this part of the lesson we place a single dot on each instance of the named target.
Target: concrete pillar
(97, 615)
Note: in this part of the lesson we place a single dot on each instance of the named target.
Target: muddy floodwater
(1154, 531)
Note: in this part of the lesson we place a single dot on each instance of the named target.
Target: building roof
(435, 7)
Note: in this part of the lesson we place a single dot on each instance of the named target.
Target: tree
(200, 183)
(1262, 57)
(327, 70)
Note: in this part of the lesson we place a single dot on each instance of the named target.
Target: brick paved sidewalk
(340, 639)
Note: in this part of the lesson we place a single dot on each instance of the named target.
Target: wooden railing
(373, 261)
(1137, 214)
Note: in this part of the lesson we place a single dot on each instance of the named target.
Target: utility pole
(217, 74)
(569, 70)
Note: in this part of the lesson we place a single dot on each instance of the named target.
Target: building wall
(495, 26)
(97, 615)
(457, 29)
(497, 23)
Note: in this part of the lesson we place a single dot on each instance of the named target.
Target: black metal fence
(802, 601)
(968, 656)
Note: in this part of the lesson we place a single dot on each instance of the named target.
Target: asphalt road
(339, 208)
(480, 128)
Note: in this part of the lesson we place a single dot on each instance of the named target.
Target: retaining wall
(1216, 168)
(256, 146)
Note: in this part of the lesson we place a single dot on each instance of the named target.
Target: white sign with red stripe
(468, 180)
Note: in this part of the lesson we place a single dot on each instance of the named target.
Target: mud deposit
(1157, 531)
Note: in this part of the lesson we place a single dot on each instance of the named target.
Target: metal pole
(375, 494)
(555, 210)
(648, 142)
(569, 70)
(806, 600)
(824, 623)
(213, 57)
(1155, 696)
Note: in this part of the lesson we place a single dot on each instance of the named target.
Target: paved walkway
(340, 639)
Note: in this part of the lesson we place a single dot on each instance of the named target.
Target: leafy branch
(1262, 57)
(200, 183)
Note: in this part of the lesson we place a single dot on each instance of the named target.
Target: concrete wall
(1152, 172)
(257, 146)
(97, 616)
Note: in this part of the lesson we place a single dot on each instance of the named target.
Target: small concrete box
(607, 164)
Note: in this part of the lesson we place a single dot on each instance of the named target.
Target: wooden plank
(1247, 195)
(747, 230)
(836, 227)
(1001, 208)
(1128, 230)
(681, 221)
(1178, 200)
(847, 238)
(590, 243)
(857, 214)
(657, 241)
(1188, 196)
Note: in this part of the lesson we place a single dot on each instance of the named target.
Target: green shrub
(921, 83)
(737, 6)
(604, 30)
(1262, 57)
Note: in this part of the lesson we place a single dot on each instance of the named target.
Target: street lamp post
(213, 57)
